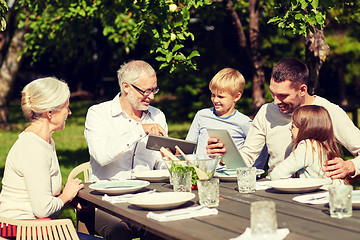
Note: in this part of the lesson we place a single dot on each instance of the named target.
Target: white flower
(172, 7)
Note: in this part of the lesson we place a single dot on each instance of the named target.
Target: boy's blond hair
(229, 80)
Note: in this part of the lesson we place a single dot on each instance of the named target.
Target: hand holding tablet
(232, 157)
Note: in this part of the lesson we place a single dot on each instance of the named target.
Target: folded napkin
(262, 185)
(314, 198)
(124, 198)
(184, 213)
(279, 235)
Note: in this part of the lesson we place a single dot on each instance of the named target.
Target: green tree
(251, 45)
(164, 23)
(309, 18)
(9, 59)
(84, 38)
(3, 9)
(342, 34)
(68, 29)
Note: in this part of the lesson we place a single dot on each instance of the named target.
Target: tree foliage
(86, 40)
(3, 9)
(303, 16)
(57, 24)
(309, 18)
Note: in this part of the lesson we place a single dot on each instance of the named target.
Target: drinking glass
(246, 178)
(181, 181)
(206, 162)
(263, 222)
(208, 191)
(340, 201)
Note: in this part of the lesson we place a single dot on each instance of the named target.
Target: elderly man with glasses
(116, 132)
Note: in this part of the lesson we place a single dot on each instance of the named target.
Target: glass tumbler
(263, 221)
(340, 201)
(181, 181)
(246, 178)
(208, 191)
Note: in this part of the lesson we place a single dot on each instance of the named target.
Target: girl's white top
(305, 160)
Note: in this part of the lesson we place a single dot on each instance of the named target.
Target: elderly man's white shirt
(270, 126)
(117, 143)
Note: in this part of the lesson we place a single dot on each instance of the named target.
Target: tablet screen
(232, 157)
(155, 142)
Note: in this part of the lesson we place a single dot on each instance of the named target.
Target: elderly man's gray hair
(131, 71)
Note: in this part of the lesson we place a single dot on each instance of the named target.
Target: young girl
(314, 143)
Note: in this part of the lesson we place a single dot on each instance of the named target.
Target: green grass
(70, 143)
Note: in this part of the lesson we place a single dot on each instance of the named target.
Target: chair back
(58, 229)
(82, 168)
(82, 226)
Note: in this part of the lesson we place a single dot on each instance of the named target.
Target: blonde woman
(31, 186)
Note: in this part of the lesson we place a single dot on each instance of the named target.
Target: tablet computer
(155, 142)
(232, 157)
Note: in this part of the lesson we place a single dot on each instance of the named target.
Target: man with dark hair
(288, 86)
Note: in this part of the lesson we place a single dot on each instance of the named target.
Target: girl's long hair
(315, 124)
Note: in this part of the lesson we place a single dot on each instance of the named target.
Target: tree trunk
(229, 7)
(8, 70)
(252, 52)
(258, 76)
(316, 51)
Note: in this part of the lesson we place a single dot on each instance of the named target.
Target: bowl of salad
(206, 162)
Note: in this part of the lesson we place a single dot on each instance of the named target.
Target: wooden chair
(82, 168)
(59, 229)
(84, 221)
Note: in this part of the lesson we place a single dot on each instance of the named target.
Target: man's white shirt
(117, 143)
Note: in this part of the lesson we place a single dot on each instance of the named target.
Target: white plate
(313, 198)
(152, 175)
(162, 200)
(229, 175)
(119, 187)
(298, 184)
(323, 198)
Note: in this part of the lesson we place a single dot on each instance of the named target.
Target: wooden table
(303, 221)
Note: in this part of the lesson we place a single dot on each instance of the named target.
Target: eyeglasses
(146, 92)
